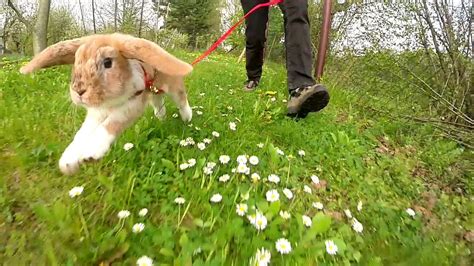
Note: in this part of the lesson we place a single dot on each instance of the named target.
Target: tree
(40, 27)
(62, 25)
(196, 18)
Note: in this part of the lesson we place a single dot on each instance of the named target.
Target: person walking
(305, 95)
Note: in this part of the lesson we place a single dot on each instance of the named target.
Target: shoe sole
(313, 103)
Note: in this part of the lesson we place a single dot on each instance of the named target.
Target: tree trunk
(82, 18)
(93, 16)
(40, 32)
(115, 15)
(141, 20)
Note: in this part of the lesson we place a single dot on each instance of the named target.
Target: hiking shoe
(307, 99)
(251, 85)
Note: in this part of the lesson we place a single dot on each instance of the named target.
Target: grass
(386, 164)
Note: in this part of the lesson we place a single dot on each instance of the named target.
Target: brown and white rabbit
(110, 76)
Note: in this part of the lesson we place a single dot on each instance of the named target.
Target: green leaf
(168, 164)
(274, 208)
(167, 252)
(262, 206)
(341, 246)
(199, 222)
(183, 240)
(321, 223)
(357, 255)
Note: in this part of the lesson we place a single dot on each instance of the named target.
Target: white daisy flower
(175, 115)
(272, 195)
(76, 191)
(274, 178)
(260, 145)
(197, 128)
(288, 193)
(260, 221)
(201, 146)
(137, 228)
(253, 160)
(348, 213)
(242, 159)
(207, 170)
(318, 205)
(143, 212)
(241, 209)
(357, 226)
(331, 248)
(301, 153)
(190, 141)
(233, 170)
(230, 108)
(183, 166)
(233, 126)
(251, 218)
(307, 189)
(211, 165)
(123, 214)
(179, 200)
(191, 162)
(144, 261)
(224, 159)
(262, 257)
(242, 169)
(216, 198)
(255, 177)
(307, 221)
(283, 246)
(199, 112)
(207, 141)
(224, 178)
(280, 151)
(315, 179)
(128, 146)
(359, 206)
(273, 99)
(183, 143)
(215, 134)
(285, 215)
(411, 212)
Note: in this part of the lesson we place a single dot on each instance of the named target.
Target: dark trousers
(297, 41)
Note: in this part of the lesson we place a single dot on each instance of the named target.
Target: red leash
(229, 31)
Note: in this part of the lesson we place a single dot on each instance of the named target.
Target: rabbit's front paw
(186, 113)
(96, 146)
(70, 161)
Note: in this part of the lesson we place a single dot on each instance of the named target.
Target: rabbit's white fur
(108, 79)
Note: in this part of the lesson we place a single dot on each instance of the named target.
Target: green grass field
(386, 164)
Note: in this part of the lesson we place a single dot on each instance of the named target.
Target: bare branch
(18, 13)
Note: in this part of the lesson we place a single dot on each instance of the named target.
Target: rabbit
(113, 77)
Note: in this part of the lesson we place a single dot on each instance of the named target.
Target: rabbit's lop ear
(60, 53)
(152, 54)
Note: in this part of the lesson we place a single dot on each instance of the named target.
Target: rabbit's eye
(108, 62)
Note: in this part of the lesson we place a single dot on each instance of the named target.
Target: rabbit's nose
(80, 91)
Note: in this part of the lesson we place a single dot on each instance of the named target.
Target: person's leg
(255, 37)
(305, 95)
(298, 43)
